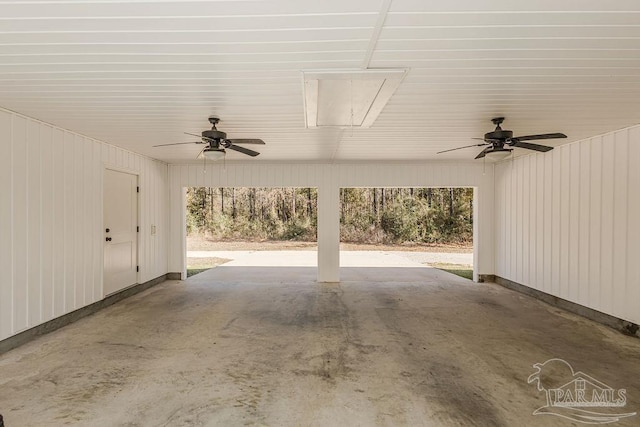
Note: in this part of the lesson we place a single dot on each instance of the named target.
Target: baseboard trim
(482, 278)
(174, 276)
(624, 326)
(66, 319)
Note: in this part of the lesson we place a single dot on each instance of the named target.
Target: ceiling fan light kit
(213, 154)
(216, 143)
(500, 141)
(497, 155)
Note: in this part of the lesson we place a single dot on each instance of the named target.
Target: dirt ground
(198, 243)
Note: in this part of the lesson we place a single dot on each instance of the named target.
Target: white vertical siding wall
(567, 222)
(331, 176)
(51, 235)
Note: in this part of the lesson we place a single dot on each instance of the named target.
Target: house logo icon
(577, 396)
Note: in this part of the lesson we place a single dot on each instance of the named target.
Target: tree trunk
(204, 207)
(222, 200)
(252, 204)
(293, 203)
(233, 202)
(284, 206)
(211, 200)
(429, 197)
(382, 201)
(375, 203)
(451, 202)
(309, 205)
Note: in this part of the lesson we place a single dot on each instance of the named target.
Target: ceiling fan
(216, 143)
(500, 140)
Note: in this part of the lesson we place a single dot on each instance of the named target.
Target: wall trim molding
(66, 319)
(624, 326)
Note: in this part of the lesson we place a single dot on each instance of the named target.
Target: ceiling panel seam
(382, 16)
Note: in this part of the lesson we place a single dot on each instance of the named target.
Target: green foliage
(253, 213)
(368, 215)
(300, 229)
(401, 215)
(406, 220)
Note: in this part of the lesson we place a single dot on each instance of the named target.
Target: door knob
(108, 239)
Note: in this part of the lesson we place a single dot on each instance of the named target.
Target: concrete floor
(418, 256)
(251, 343)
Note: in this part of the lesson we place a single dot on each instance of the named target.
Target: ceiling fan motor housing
(499, 134)
(214, 134)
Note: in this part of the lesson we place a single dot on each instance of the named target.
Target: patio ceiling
(139, 73)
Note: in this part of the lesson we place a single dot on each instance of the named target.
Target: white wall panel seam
(60, 267)
(11, 329)
(628, 196)
(594, 189)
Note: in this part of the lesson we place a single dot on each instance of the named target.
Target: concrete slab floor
(245, 344)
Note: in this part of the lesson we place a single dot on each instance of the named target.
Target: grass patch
(457, 269)
(194, 271)
(198, 265)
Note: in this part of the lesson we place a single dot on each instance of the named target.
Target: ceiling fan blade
(543, 136)
(193, 134)
(200, 136)
(528, 146)
(246, 141)
(243, 150)
(483, 152)
(177, 143)
(200, 156)
(460, 148)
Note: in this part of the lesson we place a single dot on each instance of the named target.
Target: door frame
(138, 218)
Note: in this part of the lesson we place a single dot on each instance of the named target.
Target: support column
(328, 233)
(484, 230)
(177, 233)
(476, 235)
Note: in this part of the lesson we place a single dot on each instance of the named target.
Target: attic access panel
(348, 98)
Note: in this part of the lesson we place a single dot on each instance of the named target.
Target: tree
(367, 215)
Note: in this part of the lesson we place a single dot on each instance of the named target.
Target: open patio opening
(408, 227)
(228, 224)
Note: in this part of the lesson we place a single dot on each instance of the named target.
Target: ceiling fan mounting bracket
(497, 120)
(214, 120)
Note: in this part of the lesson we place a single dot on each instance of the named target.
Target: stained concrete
(59, 322)
(250, 343)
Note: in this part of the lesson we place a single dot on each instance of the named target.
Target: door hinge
(137, 268)
(137, 189)
(137, 229)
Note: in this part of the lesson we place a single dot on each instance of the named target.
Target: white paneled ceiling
(138, 73)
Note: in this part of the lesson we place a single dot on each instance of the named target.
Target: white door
(120, 230)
